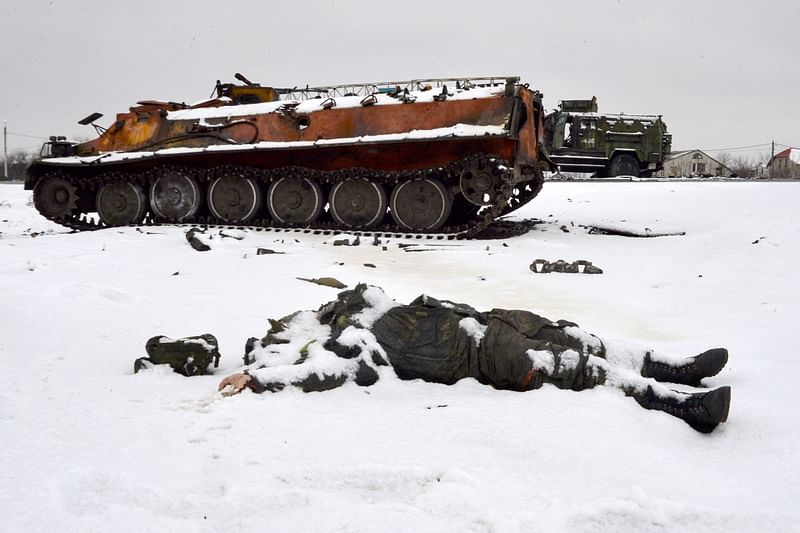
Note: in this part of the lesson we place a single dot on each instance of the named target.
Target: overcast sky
(723, 73)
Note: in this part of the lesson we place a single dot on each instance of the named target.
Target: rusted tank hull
(141, 130)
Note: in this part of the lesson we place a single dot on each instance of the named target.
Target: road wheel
(175, 196)
(120, 204)
(358, 203)
(55, 197)
(296, 201)
(624, 165)
(234, 198)
(480, 183)
(420, 204)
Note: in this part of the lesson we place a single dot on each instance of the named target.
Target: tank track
(509, 198)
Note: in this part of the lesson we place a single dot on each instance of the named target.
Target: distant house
(786, 164)
(761, 171)
(692, 163)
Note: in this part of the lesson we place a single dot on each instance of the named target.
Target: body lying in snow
(352, 337)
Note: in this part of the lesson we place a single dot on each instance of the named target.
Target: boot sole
(718, 403)
(715, 361)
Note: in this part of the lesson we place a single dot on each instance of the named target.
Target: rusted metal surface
(147, 127)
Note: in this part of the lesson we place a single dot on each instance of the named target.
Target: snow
(315, 104)
(473, 328)
(378, 304)
(542, 360)
(90, 446)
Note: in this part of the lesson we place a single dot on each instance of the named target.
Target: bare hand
(234, 384)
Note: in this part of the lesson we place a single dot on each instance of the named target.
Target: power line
(787, 146)
(26, 135)
(754, 146)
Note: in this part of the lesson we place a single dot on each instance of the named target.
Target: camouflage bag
(189, 356)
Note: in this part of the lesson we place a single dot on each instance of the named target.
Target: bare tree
(744, 166)
(18, 161)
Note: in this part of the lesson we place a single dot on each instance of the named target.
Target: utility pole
(5, 149)
(773, 151)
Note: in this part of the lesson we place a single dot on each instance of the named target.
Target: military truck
(579, 139)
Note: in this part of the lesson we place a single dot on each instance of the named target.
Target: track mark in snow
(377, 482)
(7, 409)
(112, 294)
(92, 491)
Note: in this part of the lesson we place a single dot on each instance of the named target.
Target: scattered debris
(176, 273)
(347, 242)
(758, 240)
(327, 282)
(194, 240)
(504, 229)
(267, 251)
(239, 235)
(604, 230)
(543, 266)
(140, 230)
(369, 265)
(425, 247)
(564, 228)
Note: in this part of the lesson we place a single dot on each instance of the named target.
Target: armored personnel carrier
(579, 139)
(438, 156)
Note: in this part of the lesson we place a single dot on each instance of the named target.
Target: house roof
(681, 153)
(789, 153)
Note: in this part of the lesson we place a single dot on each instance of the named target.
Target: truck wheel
(624, 165)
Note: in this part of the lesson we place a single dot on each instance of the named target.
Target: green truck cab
(579, 139)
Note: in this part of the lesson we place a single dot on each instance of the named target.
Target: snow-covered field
(86, 445)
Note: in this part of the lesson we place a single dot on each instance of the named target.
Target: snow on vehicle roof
(315, 104)
(613, 117)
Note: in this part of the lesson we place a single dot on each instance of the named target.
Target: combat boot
(702, 411)
(691, 371)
